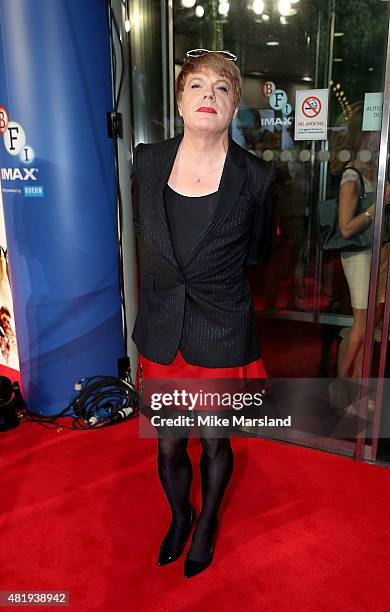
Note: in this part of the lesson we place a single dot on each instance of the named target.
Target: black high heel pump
(191, 567)
(168, 555)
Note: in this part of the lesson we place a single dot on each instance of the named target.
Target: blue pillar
(58, 184)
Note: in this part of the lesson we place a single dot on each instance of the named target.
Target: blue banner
(58, 188)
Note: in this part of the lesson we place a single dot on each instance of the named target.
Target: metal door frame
(374, 278)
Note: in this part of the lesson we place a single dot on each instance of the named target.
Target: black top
(187, 217)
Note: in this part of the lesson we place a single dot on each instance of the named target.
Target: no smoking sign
(311, 107)
(311, 120)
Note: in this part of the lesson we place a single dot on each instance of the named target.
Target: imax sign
(15, 174)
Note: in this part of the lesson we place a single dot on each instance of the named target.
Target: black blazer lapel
(161, 179)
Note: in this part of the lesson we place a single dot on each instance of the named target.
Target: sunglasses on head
(199, 52)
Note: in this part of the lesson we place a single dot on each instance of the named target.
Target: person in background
(357, 264)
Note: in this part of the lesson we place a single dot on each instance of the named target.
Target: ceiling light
(306, 78)
(265, 17)
(370, 69)
(338, 59)
(258, 6)
(273, 43)
(338, 34)
(284, 7)
(283, 20)
(199, 11)
(223, 8)
(188, 3)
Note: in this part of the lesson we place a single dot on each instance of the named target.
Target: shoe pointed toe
(166, 556)
(192, 568)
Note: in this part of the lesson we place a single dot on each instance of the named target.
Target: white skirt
(357, 268)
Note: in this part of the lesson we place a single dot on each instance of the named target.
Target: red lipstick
(206, 109)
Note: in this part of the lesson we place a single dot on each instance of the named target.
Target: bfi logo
(14, 138)
(277, 101)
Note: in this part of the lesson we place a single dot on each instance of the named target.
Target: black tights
(175, 472)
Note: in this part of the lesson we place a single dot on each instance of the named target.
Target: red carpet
(84, 512)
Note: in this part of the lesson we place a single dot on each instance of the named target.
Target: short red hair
(211, 61)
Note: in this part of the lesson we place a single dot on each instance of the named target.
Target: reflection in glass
(356, 264)
(302, 295)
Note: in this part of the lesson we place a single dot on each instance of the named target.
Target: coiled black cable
(101, 401)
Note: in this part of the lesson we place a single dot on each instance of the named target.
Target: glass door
(314, 80)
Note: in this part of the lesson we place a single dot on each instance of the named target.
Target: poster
(311, 114)
(8, 347)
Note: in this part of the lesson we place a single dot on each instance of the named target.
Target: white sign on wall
(311, 114)
(372, 116)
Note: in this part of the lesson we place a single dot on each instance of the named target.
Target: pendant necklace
(197, 175)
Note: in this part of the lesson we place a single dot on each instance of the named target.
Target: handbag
(328, 222)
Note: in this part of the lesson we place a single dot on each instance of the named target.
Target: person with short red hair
(200, 203)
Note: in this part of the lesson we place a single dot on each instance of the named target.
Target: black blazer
(203, 309)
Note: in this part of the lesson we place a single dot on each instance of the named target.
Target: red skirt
(211, 378)
(220, 380)
(179, 368)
